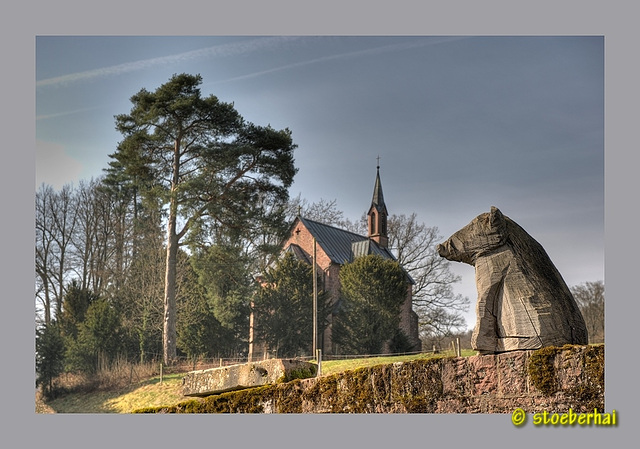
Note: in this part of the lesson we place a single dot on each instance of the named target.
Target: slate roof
(343, 246)
(298, 253)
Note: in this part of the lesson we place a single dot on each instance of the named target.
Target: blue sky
(460, 123)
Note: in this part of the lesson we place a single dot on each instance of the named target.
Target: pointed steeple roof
(378, 197)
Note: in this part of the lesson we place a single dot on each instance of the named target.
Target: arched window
(373, 223)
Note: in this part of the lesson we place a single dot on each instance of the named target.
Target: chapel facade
(333, 248)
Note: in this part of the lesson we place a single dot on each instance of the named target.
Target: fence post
(160, 372)
(319, 359)
(458, 344)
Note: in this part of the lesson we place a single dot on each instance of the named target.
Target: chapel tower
(377, 215)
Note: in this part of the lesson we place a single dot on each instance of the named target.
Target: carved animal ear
(496, 218)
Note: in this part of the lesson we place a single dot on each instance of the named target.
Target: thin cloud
(349, 55)
(224, 50)
(62, 114)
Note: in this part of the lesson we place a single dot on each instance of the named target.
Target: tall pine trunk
(169, 330)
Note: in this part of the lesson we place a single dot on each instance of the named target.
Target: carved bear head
(485, 232)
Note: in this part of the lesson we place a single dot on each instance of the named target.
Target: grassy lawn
(337, 366)
(151, 393)
(146, 393)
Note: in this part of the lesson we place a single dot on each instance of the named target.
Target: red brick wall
(301, 237)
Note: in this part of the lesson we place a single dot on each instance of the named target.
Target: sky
(460, 123)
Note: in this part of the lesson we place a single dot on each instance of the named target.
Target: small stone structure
(523, 302)
(246, 375)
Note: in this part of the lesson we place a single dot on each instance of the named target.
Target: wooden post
(315, 299)
(160, 372)
(319, 359)
(251, 333)
(458, 345)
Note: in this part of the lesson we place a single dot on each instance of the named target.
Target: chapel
(333, 248)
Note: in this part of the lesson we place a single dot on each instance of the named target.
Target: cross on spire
(378, 160)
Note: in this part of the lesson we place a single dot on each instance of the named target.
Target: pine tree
(206, 161)
(372, 291)
(50, 350)
(284, 308)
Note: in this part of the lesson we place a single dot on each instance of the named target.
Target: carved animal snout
(447, 249)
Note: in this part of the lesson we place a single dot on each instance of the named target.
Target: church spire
(378, 197)
(377, 215)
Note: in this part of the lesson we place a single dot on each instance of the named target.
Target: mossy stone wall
(552, 379)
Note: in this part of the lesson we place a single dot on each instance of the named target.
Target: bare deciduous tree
(590, 299)
(55, 222)
(414, 244)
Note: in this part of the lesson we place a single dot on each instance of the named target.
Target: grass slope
(338, 366)
(147, 393)
(152, 393)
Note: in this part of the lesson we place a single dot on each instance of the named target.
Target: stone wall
(549, 379)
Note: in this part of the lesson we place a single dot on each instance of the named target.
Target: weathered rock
(552, 379)
(246, 375)
(523, 302)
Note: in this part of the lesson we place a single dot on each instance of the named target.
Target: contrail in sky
(231, 49)
(367, 52)
(62, 114)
